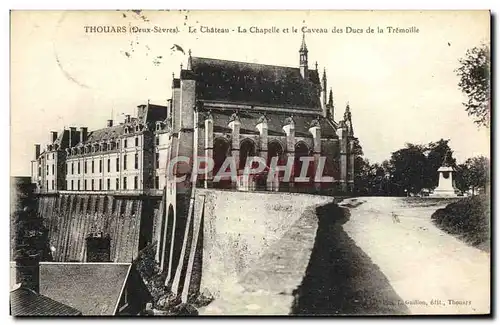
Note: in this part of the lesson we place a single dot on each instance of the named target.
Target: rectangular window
(135, 182)
(109, 165)
(85, 184)
(157, 141)
(124, 183)
(108, 181)
(125, 162)
(85, 167)
(117, 164)
(52, 184)
(72, 185)
(72, 168)
(92, 168)
(117, 185)
(157, 182)
(100, 185)
(78, 185)
(124, 143)
(136, 141)
(136, 161)
(78, 168)
(92, 185)
(47, 172)
(67, 185)
(100, 166)
(53, 172)
(157, 160)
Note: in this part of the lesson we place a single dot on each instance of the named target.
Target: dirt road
(433, 272)
(383, 256)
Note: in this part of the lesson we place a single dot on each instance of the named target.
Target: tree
(408, 167)
(473, 174)
(31, 236)
(474, 73)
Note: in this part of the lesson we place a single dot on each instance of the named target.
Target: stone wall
(240, 227)
(70, 218)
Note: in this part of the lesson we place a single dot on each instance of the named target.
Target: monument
(446, 186)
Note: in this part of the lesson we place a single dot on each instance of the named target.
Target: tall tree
(474, 73)
(408, 167)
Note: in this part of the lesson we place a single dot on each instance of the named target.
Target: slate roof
(149, 113)
(275, 123)
(106, 133)
(93, 288)
(25, 302)
(260, 84)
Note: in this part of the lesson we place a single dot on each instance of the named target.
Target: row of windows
(93, 187)
(71, 184)
(92, 169)
(102, 147)
(71, 169)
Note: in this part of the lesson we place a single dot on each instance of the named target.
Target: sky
(400, 87)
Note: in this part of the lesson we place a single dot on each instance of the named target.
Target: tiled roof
(93, 288)
(252, 83)
(149, 114)
(106, 133)
(25, 302)
(275, 123)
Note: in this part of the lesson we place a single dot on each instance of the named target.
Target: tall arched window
(302, 150)
(275, 149)
(222, 150)
(247, 149)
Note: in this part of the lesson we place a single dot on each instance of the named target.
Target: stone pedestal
(445, 186)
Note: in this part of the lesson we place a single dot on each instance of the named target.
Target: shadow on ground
(340, 278)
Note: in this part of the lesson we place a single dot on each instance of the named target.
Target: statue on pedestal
(446, 186)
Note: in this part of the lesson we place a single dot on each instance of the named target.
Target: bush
(468, 218)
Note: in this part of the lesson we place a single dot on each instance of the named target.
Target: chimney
(53, 136)
(98, 248)
(127, 118)
(37, 151)
(83, 134)
(28, 272)
(72, 136)
(109, 123)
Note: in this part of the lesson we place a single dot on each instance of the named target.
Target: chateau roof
(93, 288)
(25, 302)
(106, 133)
(146, 114)
(232, 81)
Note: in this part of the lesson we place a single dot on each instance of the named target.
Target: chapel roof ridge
(246, 62)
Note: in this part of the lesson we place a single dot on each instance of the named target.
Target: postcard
(319, 163)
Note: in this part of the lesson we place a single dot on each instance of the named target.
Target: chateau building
(218, 109)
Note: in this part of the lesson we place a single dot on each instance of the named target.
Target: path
(382, 257)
